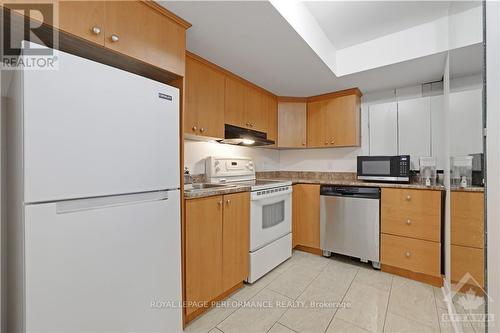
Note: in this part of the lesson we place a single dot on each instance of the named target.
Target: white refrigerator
(93, 227)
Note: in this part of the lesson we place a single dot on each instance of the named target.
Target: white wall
(195, 152)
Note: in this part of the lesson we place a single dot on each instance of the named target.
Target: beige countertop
(208, 192)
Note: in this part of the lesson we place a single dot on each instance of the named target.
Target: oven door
(270, 218)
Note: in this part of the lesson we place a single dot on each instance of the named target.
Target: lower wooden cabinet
(216, 248)
(410, 243)
(305, 215)
(467, 240)
(235, 239)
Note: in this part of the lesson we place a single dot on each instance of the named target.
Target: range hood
(240, 136)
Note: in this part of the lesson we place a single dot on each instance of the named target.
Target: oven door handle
(257, 196)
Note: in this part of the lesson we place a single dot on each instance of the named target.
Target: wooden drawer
(467, 260)
(467, 219)
(411, 254)
(409, 224)
(411, 213)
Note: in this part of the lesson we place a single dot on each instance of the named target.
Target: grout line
(320, 271)
(342, 300)
(388, 301)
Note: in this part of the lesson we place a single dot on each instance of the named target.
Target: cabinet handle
(333, 141)
(219, 203)
(408, 197)
(407, 254)
(303, 143)
(228, 202)
(194, 128)
(202, 130)
(247, 124)
(408, 221)
(96, 30)
(114, 38)
(251, 124)
(326, 142)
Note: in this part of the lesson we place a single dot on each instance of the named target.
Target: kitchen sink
(205, 186)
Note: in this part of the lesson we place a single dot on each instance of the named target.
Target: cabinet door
(84, 19)
(383, 129)
(466, 126)
(234, 105)
(316, 123)
(204, 108)
(203, 250)
(292, 117)
(271, 109)
(437, 132)
(236, 239)
(255, 112)
(343, 121)
(305, 203)
(414, 134)
(145, 34)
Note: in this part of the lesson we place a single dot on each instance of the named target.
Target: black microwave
(384, 168)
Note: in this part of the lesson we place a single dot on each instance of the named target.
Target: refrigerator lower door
(104, 266)
(92, 130)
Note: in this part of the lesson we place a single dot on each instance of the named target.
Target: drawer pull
(219, 203)
(195, 128)
(408, 197)
(408, 222)
(202, 130)
(96, 30)
(114, 38)
(407, 254)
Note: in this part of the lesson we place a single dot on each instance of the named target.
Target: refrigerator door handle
(77, 205)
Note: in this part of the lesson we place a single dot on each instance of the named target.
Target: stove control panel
(226, 169)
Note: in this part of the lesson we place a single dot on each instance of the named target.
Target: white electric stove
(270, 212)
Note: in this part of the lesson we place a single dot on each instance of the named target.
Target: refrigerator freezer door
(105, 267)
(93, 130)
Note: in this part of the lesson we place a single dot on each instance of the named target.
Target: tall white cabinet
(383, 133)
(414, 129)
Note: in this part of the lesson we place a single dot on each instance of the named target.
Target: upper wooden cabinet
(135, 29)
(84, 19)
(204, 104)
(292, 125)
(139, 29)
(333, 120)
(245, 105)
(271, 109)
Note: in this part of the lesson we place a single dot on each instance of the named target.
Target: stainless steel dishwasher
(350, 222)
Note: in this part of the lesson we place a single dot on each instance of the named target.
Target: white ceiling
(251, 39)
(347, 23)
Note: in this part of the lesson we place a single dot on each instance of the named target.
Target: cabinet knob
(326, 142)
(194, 128)
(408, 221)
(407, 254)
(408, 197)
(247, 124)
(219, 203)
(96, 30)
(228, 202)
(333, 141)
(114, 38)
(251, 124)
(202, 130)
(303, 143)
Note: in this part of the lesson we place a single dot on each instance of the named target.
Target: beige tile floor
(309, 293)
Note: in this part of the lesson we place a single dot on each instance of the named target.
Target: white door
(104, 265)
(437, 130)
(383, 129)
(414, 132)
(466, 125)
(93, 130)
